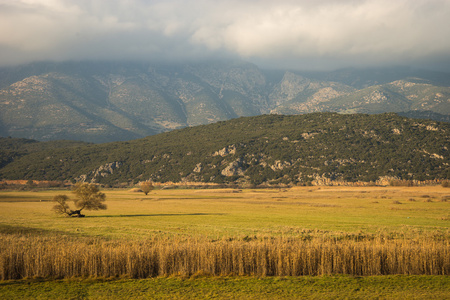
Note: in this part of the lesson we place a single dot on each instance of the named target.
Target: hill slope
(103, 102)
(268, 148)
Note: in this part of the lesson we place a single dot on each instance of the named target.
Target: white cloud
(287, 32)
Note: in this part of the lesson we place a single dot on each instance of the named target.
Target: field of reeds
(68, 258)
(187, 232)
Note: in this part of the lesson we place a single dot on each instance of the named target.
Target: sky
(279, 34)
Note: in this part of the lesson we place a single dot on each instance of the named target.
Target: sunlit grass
(219, 213)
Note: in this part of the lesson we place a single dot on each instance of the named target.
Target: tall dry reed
(56, 257)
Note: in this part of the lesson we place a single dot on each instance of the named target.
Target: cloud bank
(301, 34)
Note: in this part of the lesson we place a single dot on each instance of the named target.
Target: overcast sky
(301, 34)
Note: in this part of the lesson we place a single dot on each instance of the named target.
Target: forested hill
(263, 149)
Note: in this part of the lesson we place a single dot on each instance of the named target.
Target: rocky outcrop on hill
(100, 172)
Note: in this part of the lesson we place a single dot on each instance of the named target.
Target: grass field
(235, 213)
(356, 221)
(328, 287)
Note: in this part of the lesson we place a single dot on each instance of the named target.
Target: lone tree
(88, 197)
(146, 187)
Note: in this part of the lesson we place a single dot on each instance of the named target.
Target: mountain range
(118, 101)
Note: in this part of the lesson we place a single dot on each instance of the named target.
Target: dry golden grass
(67, 258)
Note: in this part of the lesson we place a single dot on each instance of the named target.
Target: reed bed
(66, 257)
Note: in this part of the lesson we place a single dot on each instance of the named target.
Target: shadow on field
(156, 215)
(29, 231)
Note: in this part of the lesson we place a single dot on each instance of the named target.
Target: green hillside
(12, 148)
(265, 149)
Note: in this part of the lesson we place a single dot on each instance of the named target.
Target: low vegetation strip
(232, 287)
(56, 257)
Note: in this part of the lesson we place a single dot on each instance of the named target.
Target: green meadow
(218, 213)
(219, 228)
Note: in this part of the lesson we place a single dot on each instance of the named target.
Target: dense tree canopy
(146, 187)
(88, 197)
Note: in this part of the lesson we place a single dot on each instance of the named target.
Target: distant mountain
(102, 102)
(312, 148)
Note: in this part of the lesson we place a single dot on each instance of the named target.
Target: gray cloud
(296, 34)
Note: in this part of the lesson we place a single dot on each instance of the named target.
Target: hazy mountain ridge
(102, 102)
(316, 147)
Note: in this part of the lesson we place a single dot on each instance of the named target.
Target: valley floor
(172, 239)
